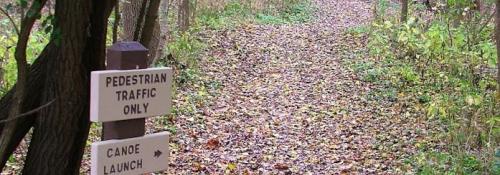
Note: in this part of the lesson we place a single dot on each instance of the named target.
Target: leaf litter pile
(287, 104)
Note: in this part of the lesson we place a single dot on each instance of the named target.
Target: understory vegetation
(442, 61)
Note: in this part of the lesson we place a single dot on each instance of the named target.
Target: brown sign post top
(125, 56)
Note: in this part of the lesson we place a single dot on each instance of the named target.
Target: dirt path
(288, 105)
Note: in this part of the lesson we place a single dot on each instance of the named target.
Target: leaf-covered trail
(288, 105)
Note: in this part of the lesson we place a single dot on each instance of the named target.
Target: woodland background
(435, 59)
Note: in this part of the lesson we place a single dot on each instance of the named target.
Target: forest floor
(289, 102)
(284, 99)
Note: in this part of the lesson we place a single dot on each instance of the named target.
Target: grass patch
(297, 12)
(236, 12)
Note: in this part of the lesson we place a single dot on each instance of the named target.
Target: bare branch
(22, 72)
(486, 22)
(20, 53)
(28, 113)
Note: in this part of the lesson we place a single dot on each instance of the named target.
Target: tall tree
(497, 36)
(58, 82)
(116, 23)
(183, 15)
(477, 5)
(148, 30)
(141, 23)
(404, 11)
(22, 69)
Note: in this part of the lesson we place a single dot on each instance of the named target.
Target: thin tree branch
(20, 53)
(487, 22)
(29, 112)
(11, 20)
(22, 72)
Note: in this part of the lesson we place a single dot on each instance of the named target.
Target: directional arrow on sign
(157, 153)
(133, 156)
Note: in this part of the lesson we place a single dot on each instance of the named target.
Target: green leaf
(9, 6)
(23, 3)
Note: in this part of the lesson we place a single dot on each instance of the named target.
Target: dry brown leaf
(213, 143)
(281, 166)
(197, 167)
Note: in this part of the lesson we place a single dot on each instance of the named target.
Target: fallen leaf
(280, 166)
(197, 167)
(231, 166)
(213, 143)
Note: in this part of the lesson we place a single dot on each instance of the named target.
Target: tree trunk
(35, 84)
(497, 36)
(404, 11)
(183, 15)
(61, 73)
(140, 20)
(22, 70)
(428, 4)
(133, 25)
(66, 82)
(477, 5)
(148, 31)
(116, 24)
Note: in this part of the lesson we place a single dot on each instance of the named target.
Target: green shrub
(445, 62)
(36, 43)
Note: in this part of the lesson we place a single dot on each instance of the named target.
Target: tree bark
(148, 31)
(116, 24)
(140, 20)
(137, 23)
(61, 130)
(35, 84)
(183, 16)
(131, 10)
(59, 123)
(477, 5)
(404, 11)
(22, 70)
(497, 36)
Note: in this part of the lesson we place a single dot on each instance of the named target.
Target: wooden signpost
(122, 97)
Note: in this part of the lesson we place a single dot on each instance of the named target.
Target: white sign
(130, 156)
(130, 94)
